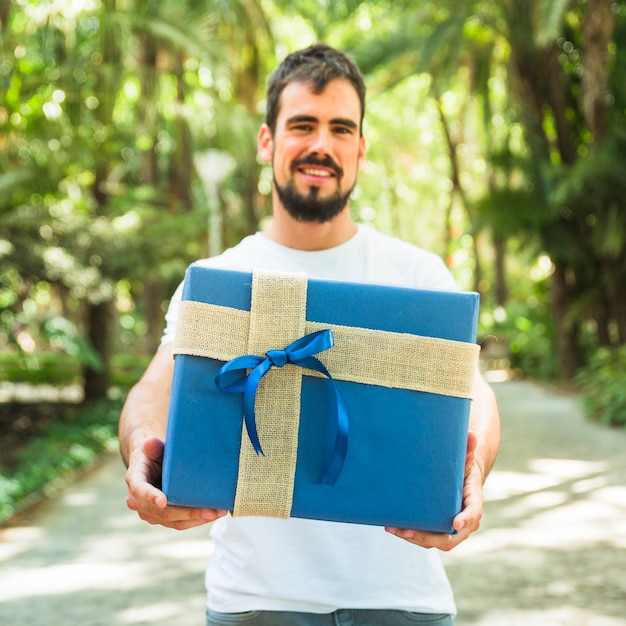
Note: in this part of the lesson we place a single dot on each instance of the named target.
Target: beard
(310, 207)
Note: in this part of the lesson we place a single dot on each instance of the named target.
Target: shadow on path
(552, 549)
(85, 559)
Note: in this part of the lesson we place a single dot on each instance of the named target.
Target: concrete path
(552, 547)
(551, 552)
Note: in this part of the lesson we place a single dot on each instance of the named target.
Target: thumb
(472, 443)
(153, 449)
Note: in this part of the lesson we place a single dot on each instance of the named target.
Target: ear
(362, 151)
(265, 143)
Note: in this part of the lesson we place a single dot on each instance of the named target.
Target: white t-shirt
(314, 566)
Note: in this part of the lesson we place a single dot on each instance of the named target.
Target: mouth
(320, 170)
(316, 172)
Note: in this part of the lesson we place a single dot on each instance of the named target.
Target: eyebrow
(296, 119)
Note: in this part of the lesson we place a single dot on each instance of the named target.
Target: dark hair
(317, 65)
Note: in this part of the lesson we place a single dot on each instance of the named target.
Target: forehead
(339, 99)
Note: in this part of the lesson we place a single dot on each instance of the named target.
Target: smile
(312, 171)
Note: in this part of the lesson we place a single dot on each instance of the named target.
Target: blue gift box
(397, 459)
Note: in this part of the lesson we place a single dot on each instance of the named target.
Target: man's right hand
(143, 478)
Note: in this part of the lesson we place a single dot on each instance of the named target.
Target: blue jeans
(342, 617)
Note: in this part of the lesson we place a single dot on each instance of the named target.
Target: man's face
(316, 149)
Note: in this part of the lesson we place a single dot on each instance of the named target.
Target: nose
(321, 142)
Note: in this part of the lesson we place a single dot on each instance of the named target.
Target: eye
(303, 128)
(343, 130)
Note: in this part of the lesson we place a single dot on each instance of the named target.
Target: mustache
(311, 159)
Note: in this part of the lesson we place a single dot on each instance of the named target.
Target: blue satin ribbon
(300, 352)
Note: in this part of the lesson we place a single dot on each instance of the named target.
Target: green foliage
(475, 120)
(58, 368)
(603, 385)
(530, 337)
(128, 368)
(593, 191)
(62, 332)
(97, 109)
(10, 496)
(51, 368)
(524, 327)
(69, 445)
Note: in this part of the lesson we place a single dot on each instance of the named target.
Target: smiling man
(313, 138)
(316, 147)
(296, 572)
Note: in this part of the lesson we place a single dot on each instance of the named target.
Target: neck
(310, 236)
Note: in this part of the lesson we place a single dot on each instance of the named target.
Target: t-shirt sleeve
(439, 276)
(172, 316)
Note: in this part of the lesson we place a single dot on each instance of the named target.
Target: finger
(473, 503)
(174, 524)
(153, 449)
(440, 541)
(472, 442)
(140, 488)
(175, 516)
(468, 521)
(179, 516)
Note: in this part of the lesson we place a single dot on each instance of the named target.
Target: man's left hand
(467, 521)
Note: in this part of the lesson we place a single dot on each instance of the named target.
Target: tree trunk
(98, 380)
(619, 309)
(100, 316)
(597, 32)
(557, 96)
(250, 195)
(616, 295)
(565, 330)
(5, 9)
(478, 270)
(182, 165)
(147, 110)
(457, 188)
(529, 70)
(153, 287)
(603, 322)
(247, 82)
(501, 290)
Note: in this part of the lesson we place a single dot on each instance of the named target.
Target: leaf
(11, 181)
(549, 15)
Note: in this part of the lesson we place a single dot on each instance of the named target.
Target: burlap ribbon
(368, 356)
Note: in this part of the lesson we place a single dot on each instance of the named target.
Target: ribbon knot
(300, 352)
(278, 358)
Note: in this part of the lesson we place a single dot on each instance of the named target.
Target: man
(267, 571)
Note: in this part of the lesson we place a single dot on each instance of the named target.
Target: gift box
(319, 399)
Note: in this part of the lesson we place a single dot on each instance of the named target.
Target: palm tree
(563, 117)
(123, 81)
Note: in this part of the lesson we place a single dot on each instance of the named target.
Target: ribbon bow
(300, 352)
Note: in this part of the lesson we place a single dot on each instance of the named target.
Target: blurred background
(497, 139)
